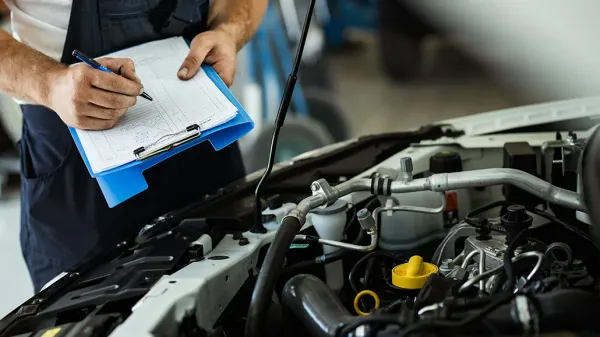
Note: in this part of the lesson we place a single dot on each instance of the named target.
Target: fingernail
(183, 72)
(142, 90)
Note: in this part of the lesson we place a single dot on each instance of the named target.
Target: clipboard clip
(179, 138)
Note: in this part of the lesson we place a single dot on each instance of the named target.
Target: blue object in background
(271, 55)
(344, 14)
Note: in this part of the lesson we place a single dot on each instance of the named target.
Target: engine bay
(428, 232)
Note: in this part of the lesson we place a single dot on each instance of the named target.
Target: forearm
(24, 72)
(239, 18)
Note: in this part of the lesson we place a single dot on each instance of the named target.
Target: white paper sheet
(177, 104)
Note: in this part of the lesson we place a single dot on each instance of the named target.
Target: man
(65, 219)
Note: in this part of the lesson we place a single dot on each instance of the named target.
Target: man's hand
(215, 47)
(90, 99)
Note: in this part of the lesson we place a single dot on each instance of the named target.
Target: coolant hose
(315, 305)
(268, 275)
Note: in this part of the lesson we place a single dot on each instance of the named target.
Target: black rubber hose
(508, 255)
(299, 266)
(496, 302)
(559, 310)
(366, 258)
(268, 275)
(509, 275)
(315, 305)
(565, 225)
(508, 266)
(368, 272)
(471, 217)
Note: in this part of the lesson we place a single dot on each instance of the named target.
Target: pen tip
(146, 96)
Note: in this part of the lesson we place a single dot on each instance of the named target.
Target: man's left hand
(215, 47)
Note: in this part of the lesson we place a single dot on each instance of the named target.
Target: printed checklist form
(177, 105)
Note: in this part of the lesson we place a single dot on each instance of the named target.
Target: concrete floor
(451, 86)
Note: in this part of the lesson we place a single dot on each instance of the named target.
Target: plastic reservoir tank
(405, 231)
(329, 222)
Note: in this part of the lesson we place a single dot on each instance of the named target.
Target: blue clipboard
(123, 182)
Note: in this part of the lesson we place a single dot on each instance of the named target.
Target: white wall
(15, 285)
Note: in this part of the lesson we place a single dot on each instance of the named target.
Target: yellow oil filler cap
(414, 274)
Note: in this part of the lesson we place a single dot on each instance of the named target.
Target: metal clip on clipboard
(179, 138)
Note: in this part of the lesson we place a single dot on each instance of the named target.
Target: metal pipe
(416, 209)
(458, 258)
(344, 245)
(451, 181)
(481, 269)
(488, 177)
(431, 307)
(350, 246)
(468, 258)
(317, 200)
(479, 277)
(355, 185)
(481, 264)
(537, 266)
(496, 270)
(447, 247)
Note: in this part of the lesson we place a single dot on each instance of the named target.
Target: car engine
(421, 233)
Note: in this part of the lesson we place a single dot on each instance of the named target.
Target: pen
(92, 63)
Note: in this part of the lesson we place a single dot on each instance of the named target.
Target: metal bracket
(322, 187)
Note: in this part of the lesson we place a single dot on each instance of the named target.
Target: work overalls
(65, 219)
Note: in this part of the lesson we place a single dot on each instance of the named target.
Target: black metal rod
(280, 119)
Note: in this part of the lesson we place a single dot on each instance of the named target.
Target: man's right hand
(90, 99)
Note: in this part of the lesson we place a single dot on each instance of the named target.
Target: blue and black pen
(94, 64)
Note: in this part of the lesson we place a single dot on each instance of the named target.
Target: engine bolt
(406, 169)
(446, 266)
(448, 263)
(577, 264)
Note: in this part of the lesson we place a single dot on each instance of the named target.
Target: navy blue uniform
(65, 219)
